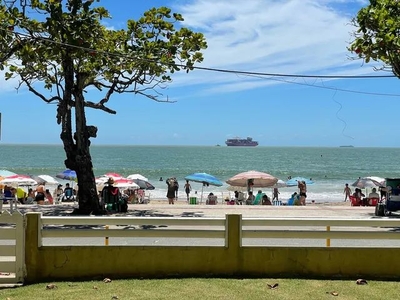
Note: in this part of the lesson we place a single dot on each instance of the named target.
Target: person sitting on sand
(211, 199)
(48, 196)
(250, 198)
(373, 194)
(358, 195)
(39, 198)
(265, 200)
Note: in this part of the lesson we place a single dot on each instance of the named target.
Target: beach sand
(161, 208)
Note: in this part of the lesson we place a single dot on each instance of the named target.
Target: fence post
(19, 246)
(328, 241)
(33, 240)
(106, 238)
(233, 231)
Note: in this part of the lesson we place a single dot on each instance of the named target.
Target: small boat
(248, 142)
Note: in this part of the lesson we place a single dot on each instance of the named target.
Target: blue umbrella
(293, 181)
(6, 173)
(204, 178)
(67, 175)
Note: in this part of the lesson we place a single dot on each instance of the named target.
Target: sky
(281, 37)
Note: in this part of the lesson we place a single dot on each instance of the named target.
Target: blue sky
(291, 37)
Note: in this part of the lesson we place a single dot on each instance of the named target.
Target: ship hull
(241, 145)
(238, 142)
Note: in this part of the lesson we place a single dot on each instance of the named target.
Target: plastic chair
(354, 201)
(373, 201)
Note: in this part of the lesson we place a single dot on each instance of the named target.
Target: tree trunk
(76, 145)
(87, 191)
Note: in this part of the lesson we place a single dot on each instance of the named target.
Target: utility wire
(326, 87)
(207, 68)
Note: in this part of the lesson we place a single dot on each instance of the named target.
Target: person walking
(276, 193)
(188, 188)
(347, 192)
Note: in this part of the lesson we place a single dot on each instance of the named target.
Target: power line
(329, 87)
(219, 70)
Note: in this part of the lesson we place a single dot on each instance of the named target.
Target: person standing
(347, 192)
(188, 188)
(172, 190)
(303, 191)
(276, 193)
(40, 194)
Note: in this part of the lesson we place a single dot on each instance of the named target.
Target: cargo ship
(248, 142)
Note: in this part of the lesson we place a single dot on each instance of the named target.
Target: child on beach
(188, 188)
(276, 193)
(347, 192)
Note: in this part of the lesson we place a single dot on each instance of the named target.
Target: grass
(179, 289)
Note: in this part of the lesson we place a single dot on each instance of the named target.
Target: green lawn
(180, 289)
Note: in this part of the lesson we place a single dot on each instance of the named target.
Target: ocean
(329, 168)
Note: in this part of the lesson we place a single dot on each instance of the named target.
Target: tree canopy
(378, 35)
(61, 50)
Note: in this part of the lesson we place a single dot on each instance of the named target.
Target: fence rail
(217, 228)
(12, 247)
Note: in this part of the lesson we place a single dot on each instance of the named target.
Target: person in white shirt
(373, 194)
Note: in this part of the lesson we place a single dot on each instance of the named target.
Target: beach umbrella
(67, 175)
(143, 184)
(279, 184)
(137, 176)
(120, 183)
(236, 188)
(294, 181)
(382, 181)
(363, 183)
(252, 179)
(205, 179)
(45, 179)
(6, 173)
(18, 180)
(113, 175)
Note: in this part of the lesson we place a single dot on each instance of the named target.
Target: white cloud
(271, 36)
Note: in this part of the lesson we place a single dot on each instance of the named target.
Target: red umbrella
(113, 175)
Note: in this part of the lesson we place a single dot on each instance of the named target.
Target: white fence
(12, 247)
(253, 231)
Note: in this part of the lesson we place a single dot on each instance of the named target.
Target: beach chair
(146, 198)
(68, 195)
(373, 201)
(354, 201)
(277, 202)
